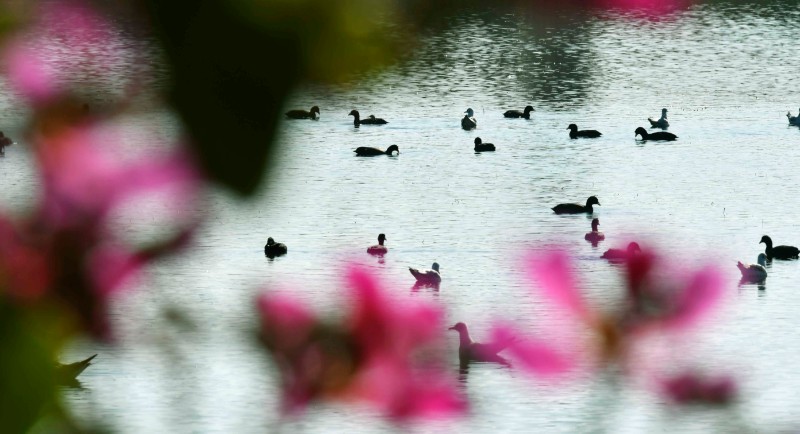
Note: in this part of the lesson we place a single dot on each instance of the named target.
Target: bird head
(459, 327)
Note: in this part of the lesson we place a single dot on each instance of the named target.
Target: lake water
(724, 71)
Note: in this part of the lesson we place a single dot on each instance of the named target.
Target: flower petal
(554, 277)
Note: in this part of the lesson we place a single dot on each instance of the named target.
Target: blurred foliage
(27, 368)
(234, 63)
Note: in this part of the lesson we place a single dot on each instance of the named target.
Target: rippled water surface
(725, 73)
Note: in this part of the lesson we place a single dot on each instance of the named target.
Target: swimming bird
(576, 208)
(302, 114)
(471, 351)
(66, 374)
(273, 249)
(4, 141)
(365, 151)
(658, 135)
(779, 252)
(427, 276)
(793, 120)
(615, 255)
(468, 122)
(661, 122)
(594, 236)
(371, 120)
(483, 147)
(378, 249)
(754, 272)
(574, 133)
(520, 114)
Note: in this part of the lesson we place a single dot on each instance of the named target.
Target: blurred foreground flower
(695, 388)
(65, 253)
(657, 304)
(382, 352)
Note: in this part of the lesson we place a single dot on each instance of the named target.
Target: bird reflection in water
(433, 286)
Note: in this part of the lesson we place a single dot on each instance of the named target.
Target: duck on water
(302, 114)
(779, 252)
(431, 276)
(468, 122)
(575, 133)
(371, 120)
(378, 249)
(754, 273)
(661, 122)
(594, 236)
(793, 120)
(483, 147)
(576, 208)
(658, 135)
(619, 255)
(471, 351)
(365, 151)
(273, 249)
(526, 113)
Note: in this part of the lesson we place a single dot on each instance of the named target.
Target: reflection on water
(725, 71)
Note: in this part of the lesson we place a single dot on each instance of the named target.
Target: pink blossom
(534, 355)
(382, 351)
(57, 48)
(696, 388)
(653, 8)
(654, 304)
(66, 252)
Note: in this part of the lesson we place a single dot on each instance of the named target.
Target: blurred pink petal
(112, 267)
(24, 270)
(29, 74)
(83, 177)
(534, 355)
(377, 318)
(430, 395)
(701, 295)
(59, 47)
(655, 8)
(405, 392)
(694, 388)
(289, 317)
(370, 355)
(554, 277)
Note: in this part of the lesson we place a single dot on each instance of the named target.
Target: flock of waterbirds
(470, 350)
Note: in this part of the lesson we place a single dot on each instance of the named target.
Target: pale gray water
(725, 73)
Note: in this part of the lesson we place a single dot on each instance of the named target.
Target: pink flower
(56, 51)
(67, 252)
(653, 304)
(695, 388)
(382, 352)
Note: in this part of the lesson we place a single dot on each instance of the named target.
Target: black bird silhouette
(616, 255)
(779, 252)
(371, 120)
(483, 147)
(658, 135)
(468, 122)
(574, 133)
(378, 249)
(576, 208)
(526, 113)
(365, 151)
(661, 122)
(302, 114)
(273, 249)
(471, 351)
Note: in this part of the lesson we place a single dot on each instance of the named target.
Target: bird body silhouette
(471, 351)
(302, 114)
